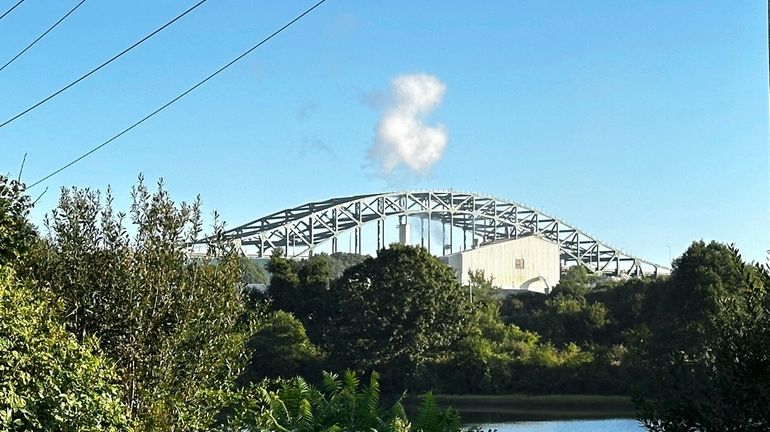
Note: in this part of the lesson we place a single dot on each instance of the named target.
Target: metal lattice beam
(484, 218)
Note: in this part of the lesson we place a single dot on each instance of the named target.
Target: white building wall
(538, 263)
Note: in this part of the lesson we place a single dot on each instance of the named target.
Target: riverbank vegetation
(108, 325)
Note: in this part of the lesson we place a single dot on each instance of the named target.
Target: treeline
(106, 324)
(692, 349)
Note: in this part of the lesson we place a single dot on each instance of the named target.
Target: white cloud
(403, 140)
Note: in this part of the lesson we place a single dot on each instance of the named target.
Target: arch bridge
(476, 219)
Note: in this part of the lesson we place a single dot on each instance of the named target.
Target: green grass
(487, 408)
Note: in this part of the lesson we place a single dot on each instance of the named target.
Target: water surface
(607, 425)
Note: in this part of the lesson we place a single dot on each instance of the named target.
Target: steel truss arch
(485, 218)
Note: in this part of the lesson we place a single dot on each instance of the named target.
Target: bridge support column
(473, 233)
(381, 234)
(422, 232)
(357, 234)
(404, 231)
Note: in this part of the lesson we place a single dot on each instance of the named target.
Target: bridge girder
(486, 219)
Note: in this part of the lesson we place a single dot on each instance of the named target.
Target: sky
(644, 123)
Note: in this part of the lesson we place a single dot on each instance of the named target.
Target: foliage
(395, 312)
(176, 328)
(283, 282)
(280, 348)
(303, 288)
(688, 311)
(48, 380)
(341, 261)
(431, 418)
(481, 289)
(140, 335)
(16, 234)
(575, 282)
(341, 404)
(721, 379)
(251, 272)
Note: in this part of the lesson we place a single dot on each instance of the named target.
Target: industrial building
(529, 263)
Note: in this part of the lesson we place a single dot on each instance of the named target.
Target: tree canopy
(16, 233)
(396, 311)
(175, 327)
(49, 380)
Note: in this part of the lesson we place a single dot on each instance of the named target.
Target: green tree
(175, 327)
(687, 312)
(341, 261)
(251, 272)
(48, 380)
(284, 282)
(396, 312)
(482, 290)
(16, 233)
(280, 348)
(576, 281)
(303, 288)
(719, 380)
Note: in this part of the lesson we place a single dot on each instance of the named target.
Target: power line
(180, 96)
(11, 9)
(42, 35)
(94, 70)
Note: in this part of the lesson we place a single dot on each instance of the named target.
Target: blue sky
(643, 123)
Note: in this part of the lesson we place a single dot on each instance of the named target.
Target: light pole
(669, 255)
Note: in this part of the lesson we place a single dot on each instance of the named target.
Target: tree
(574, 282)
(686, 314)
(302, 288)
(49, 380)
(341, 261)
(16, 233)
(251, 272)
(280, 348)
(395, 312)
(175, 327)
(283, 282)
(716, 372)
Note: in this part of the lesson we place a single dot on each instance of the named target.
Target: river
(606, 425)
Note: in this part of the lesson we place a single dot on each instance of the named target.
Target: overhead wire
(96, 69)
(42, 35)
(11, 9)
(180, 96)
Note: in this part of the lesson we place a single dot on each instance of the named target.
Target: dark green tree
(686, 312)
(280, 348)
(302, 288)
(395, 312)
(284, 282)
(713, 374)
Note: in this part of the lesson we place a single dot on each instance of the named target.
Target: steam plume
(402, 138)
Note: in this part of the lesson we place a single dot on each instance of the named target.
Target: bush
(175, 327)
(48, 380)
(280, 348)
(342, 404)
